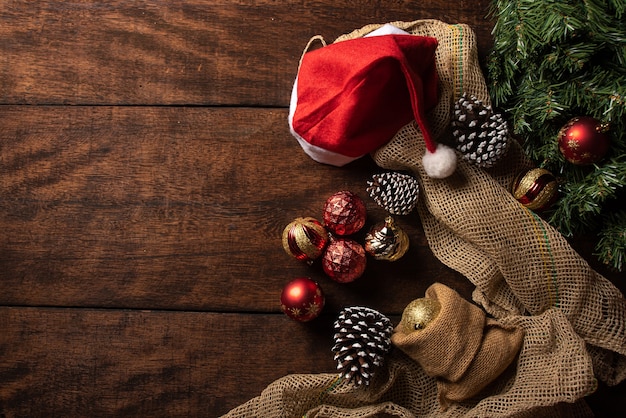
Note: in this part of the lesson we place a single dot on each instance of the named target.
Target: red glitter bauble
(584, 140)
(302, 299)
(344, 260)
(344, 213)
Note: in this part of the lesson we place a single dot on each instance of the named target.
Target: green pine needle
(553, 60)
(611, 248)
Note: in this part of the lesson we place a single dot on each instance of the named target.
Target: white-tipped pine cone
(395, 192)
(362, 339)
(481, 135)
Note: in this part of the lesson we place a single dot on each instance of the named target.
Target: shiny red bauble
(584, 140)
(302, 299)
(344, 260)
(344, 213)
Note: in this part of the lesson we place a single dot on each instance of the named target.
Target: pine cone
(481, 135)
(395, 192)
(362, 339)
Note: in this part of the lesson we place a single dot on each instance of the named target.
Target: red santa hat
(352, 97)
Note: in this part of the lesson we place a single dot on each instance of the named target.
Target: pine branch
(585, 195)
(551, 61)
(611, 248)
(619, 6)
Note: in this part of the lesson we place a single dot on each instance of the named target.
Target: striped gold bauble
(305, 239)
(536, 189)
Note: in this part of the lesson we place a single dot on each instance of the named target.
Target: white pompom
(441, 163)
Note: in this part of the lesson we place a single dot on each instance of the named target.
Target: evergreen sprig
(553, 60)
(611, 248)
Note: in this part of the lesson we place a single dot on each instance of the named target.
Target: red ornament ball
(305, 239)
(584, 140)
(344, 213)
(536, 189)
(302, 299)
(344, 260)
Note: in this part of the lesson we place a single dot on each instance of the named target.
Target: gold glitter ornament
(305, 239)
(386, 241)
(537, 189)
(418, 314)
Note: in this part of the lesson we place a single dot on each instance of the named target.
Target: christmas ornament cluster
(362, 335)
(344, 259)
(332, 239)
(344, 214)
(582, 141)
(307, 239)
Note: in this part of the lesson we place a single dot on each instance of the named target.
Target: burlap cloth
(526, 275)
(461, 347)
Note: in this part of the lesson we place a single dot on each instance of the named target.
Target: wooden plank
(193, 52)
(172, 208)
(81, 362)
(78, 363)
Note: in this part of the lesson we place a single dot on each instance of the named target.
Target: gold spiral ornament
(386, 241)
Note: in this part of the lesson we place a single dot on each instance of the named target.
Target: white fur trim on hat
(387, 29)
(441, 163)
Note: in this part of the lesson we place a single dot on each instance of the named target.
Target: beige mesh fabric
(543, 383)
(519, 264)
(526, 275)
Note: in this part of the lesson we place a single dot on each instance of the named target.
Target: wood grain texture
(103, 363)
(217, 52)
(146, 174)
(171, 208)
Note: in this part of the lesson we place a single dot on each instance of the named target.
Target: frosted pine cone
(362, 339)
(481, 135)
(396, 192)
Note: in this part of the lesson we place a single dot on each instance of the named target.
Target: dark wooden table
(146, 175)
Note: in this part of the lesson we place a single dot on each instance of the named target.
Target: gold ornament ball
(537, 189)
(305, 239)
(419, 314)
(386, 241)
